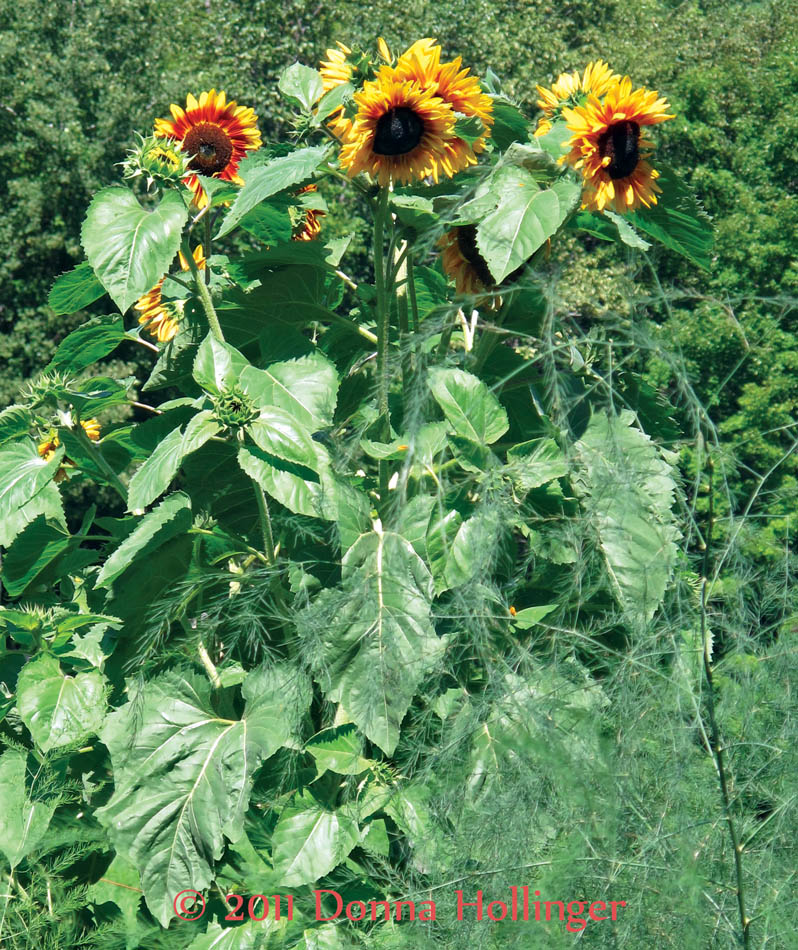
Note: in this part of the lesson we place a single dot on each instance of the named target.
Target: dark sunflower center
(467, 242)
(398, 132)
(620, 142)
(211, 147)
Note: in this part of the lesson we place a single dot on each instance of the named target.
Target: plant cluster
(378, 536)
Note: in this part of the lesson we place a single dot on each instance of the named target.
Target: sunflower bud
(233, 408)
(158, 159)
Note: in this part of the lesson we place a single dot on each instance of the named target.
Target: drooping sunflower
(159, 317)
(607, 146)
(573, 89)
(461, 92)
(400, 131)
(216, 133)
(462, 261)
(309, 227)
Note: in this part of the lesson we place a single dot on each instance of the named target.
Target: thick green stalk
(383, 328)
(204, 294)
(265, 522)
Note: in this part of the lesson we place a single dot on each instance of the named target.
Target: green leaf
(23, 474)
(75, 290)
(509, 124)
(469, 128)
(268, 934)
(91, 342)
(627, 233)
(277, 433)
(378, 640)
(531, 616)
(628, 491)
(171, 518)
(39, 544)
(468, 404)
(524, 219)
(183, 774)
(23, 823)
(270, 221)
(15, 421)
(339, 749)
(309, 841)
(129, 247)
(441, 531)
(677, 220)
(153, 477)
(218, 365)
(306, 387)
(532, 464)
(302, 84)
(266, 180)
(59, 709)
(333, 99)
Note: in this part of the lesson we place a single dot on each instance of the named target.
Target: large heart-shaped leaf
(59, 709)
(23, 475)
(377, 635)
(628, 491)
(472, 409)
(183, 773)
(129, 247)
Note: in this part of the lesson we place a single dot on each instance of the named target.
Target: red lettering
(338, 901)
(613, 905)
(503, 910)
(362, 907)
(461, 904)
(597, 905)
(253, 903)
(428, 911)
(232, 914)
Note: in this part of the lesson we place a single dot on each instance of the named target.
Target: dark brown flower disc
(620, 142)
(398, 132)
(211, 147)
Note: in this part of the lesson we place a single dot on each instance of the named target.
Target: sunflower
(215, 132)
(572, 89)
(399, 132)
(462, 93)
(159, 317)
(309, 227)
(463, 262)
(607, 146)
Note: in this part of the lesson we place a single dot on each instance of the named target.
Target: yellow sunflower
(607, 146)
(161, 318)
(399, 132)
(462, 261)
(215, 132)
(572, 89)
(461, 92)
(310, 225)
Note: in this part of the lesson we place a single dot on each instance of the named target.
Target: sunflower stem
(88, 446)
(207, 249)
(265, 522)
(717, 745)
(400, 278)
(383, 321)
(203, 293)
